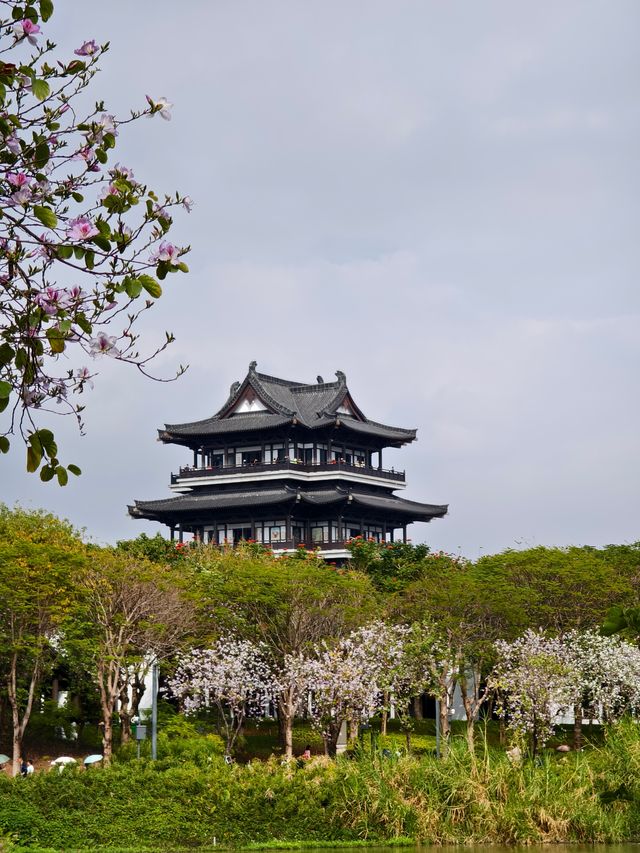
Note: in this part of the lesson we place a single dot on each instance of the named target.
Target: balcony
(289, 465)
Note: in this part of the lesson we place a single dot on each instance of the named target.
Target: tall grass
(191, 798)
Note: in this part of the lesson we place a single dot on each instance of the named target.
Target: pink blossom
(110, 189)
(18, 179)
(166, 252)
(187, 203)
(81, 229)
(125, 172)
(103, 344)
(86, 49)
(161, 105)
(26, 29)
(13, 143)
(22, 196)
(83, 375)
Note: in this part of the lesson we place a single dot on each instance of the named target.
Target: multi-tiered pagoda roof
(287, 463)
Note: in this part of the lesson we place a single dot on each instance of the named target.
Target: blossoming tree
(83, 244)
(233, 677)
(537, 679)
(608, 671)
(350, 679)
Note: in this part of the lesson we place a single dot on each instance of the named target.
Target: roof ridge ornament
(234, 388)
(252, 366)
(342, 379)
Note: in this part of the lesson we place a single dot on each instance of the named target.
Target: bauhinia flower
(26, 29)
(161, 105)
(81, 229)
(86, 49)
(187, 203)
(103, 344)
(18, 179)
(166, 252)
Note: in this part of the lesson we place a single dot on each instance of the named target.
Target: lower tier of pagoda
(286, 517)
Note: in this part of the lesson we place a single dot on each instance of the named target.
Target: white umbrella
(64, 759)
(92, 759)
(4, 758)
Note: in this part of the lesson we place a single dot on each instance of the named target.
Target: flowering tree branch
(83, 244)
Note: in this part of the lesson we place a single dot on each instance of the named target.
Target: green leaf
(78, 251)
(7, 353)
(41, 156)
(5, 389)
(34, 458)
(64, 252)
(133, 288)
(63, 477)
(4, 444)
(101, 155)
(77, 197)
(4, 402)
(46, 473)
(45, 215)
(46, 9)
(90, 259)
(102, 243)
(84, 324)
(150, 285)
(74, 470)
(47, 440)
(182, 267)
(56, 340)
(40, 89)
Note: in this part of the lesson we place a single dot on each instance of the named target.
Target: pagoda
(287, 464)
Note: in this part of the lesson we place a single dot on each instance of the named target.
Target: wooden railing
(289, 465)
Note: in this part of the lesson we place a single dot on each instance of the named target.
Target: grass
(190, 797)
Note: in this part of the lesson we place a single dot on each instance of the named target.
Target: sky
(440, 200)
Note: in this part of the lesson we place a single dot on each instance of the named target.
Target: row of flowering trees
(535, 679)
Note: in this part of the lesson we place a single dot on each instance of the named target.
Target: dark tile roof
(313, 405)
(212, 501)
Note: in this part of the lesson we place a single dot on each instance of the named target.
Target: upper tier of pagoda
(265, 404)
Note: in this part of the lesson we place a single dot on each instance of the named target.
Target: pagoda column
(380, 460)
(404, 532)
(180, 534)
(172, 532)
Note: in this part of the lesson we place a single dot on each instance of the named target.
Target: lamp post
(154, 710)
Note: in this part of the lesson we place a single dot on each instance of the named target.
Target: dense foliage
(187, 801)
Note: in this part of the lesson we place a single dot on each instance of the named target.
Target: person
(23, 766)
(30, 767)
(306, 755)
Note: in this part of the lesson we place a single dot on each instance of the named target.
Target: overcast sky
(439, 199)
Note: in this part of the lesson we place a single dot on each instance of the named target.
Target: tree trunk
(417, 708)
(19, 725)
(502, 726)
(577, 726)
(383, 722)
(286, 714)
(107, 740)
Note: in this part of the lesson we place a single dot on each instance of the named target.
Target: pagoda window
(250, 456)
(271, 531)
(297, 532)
(241, 534)
(372, 531)
(359, 458)
(319, 531)
(217, 460)
(321, 454)
(354, 532)
(305, 453)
